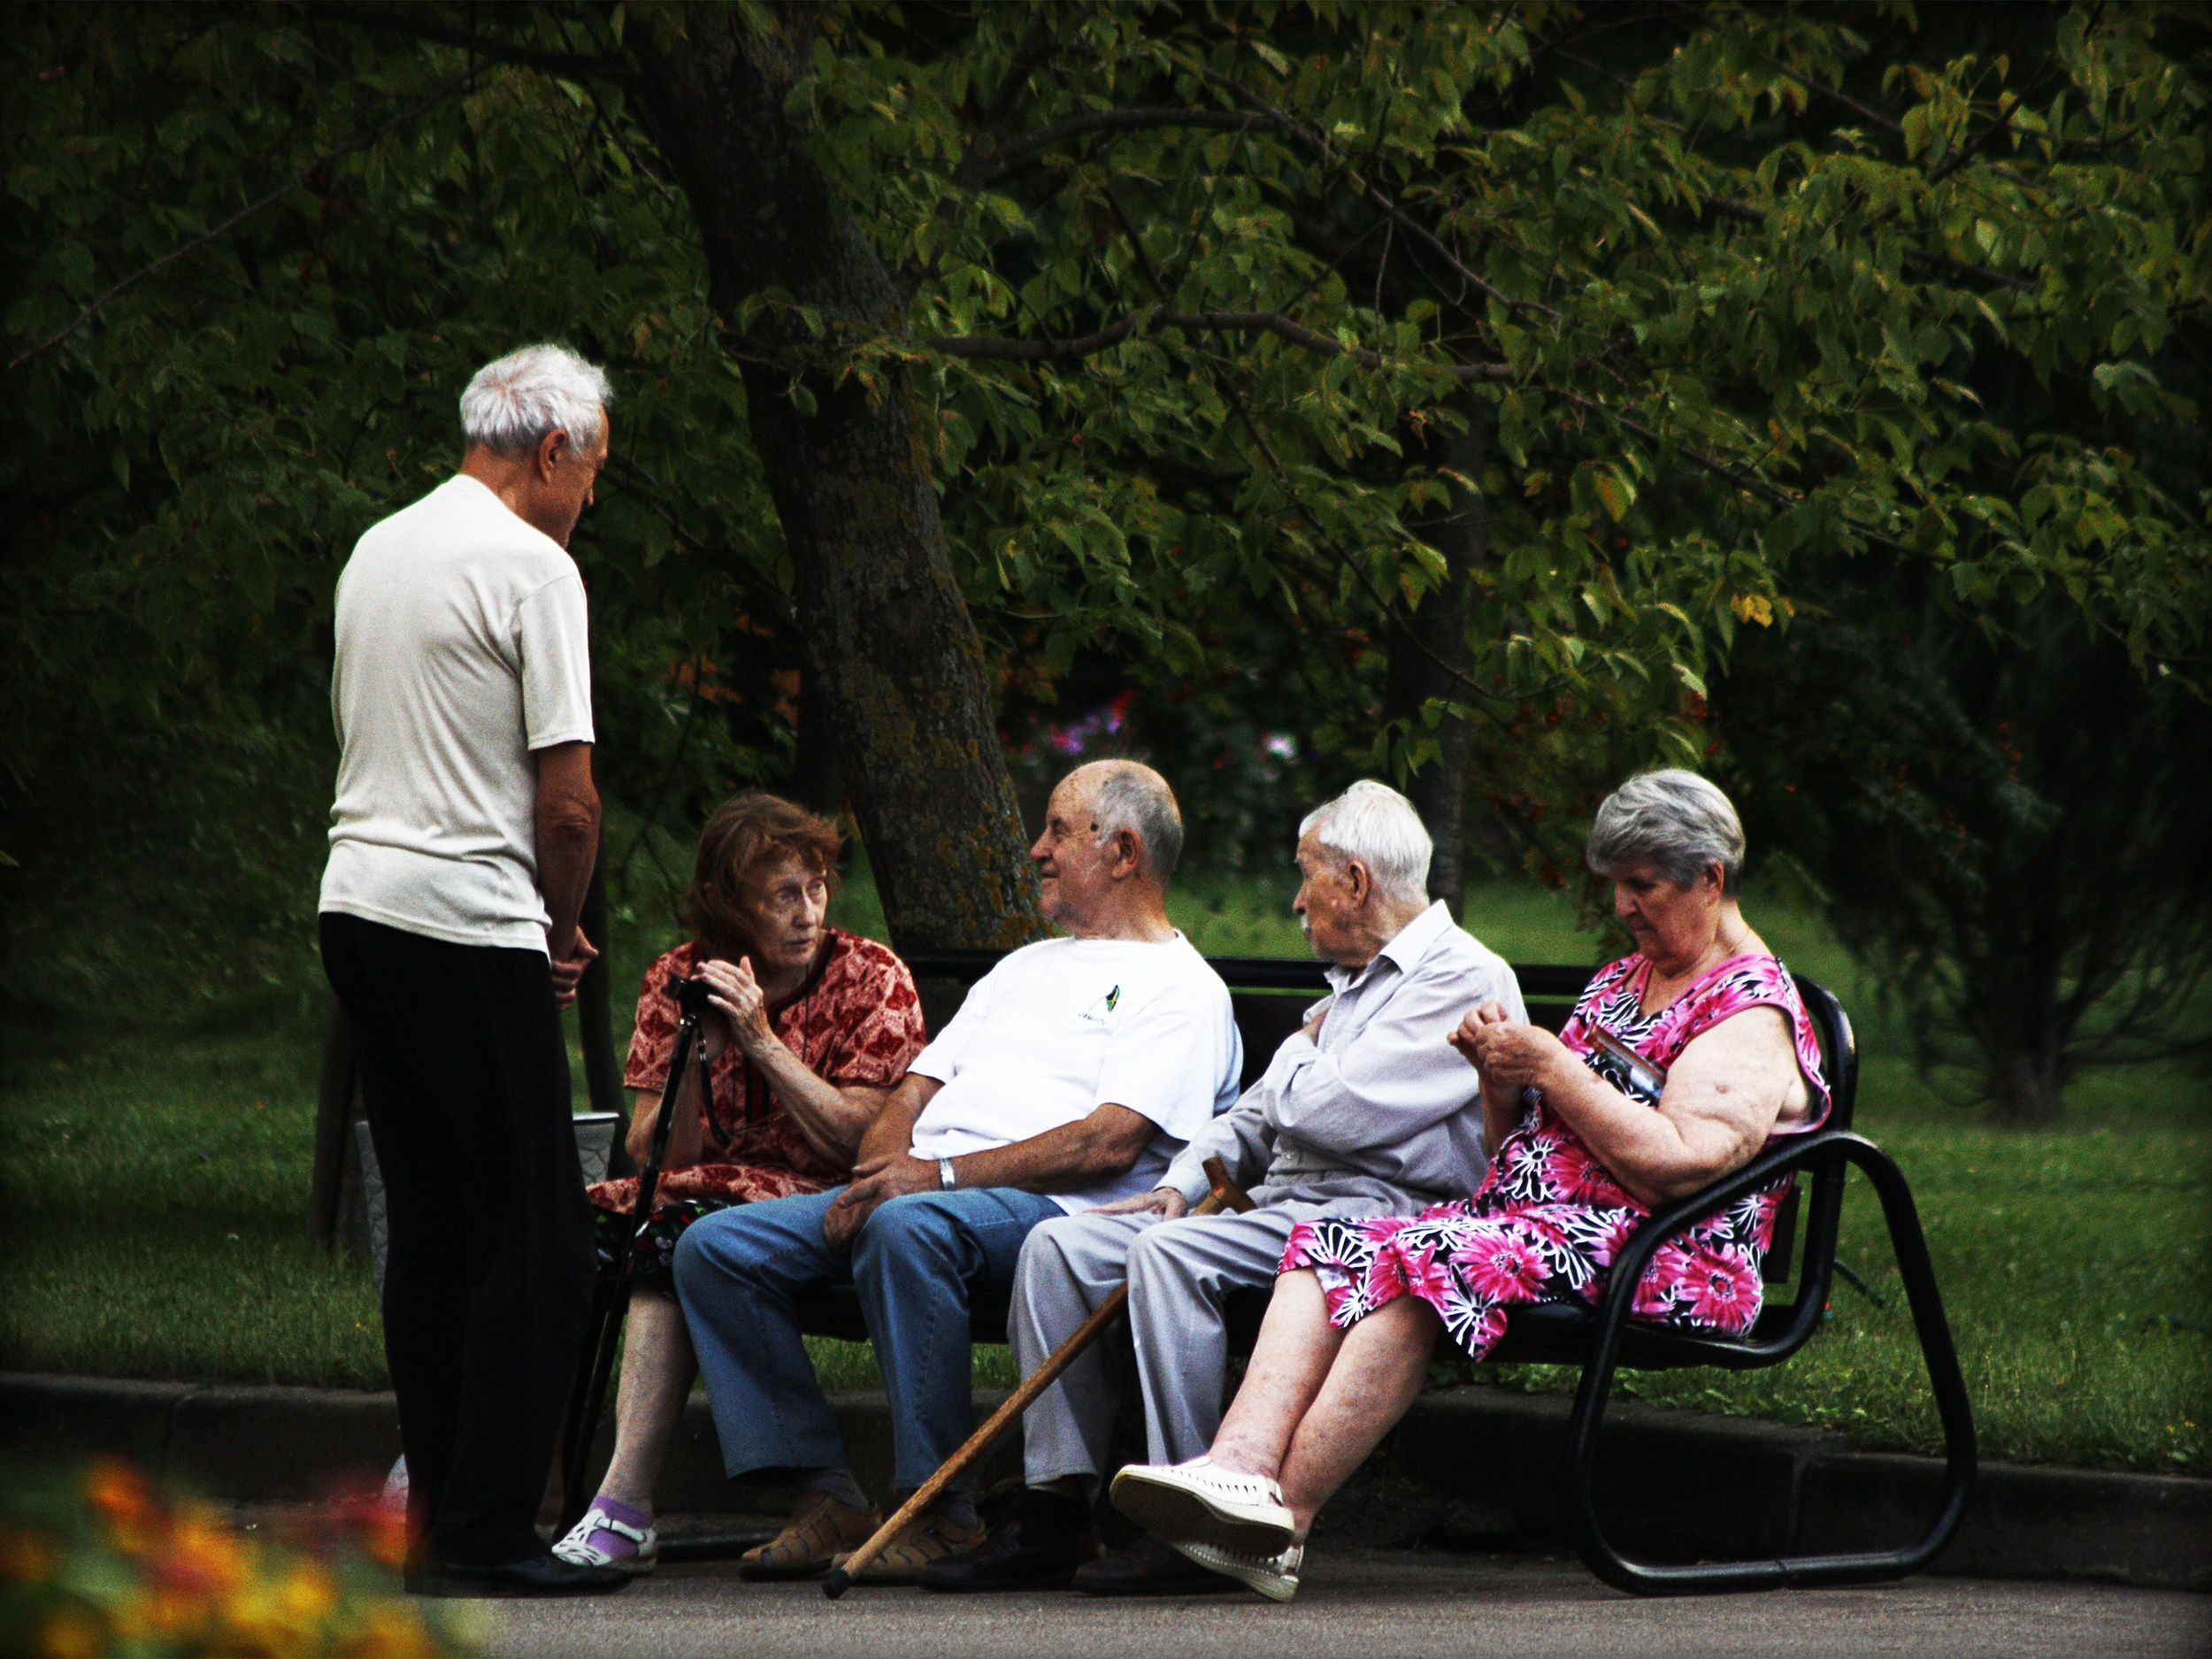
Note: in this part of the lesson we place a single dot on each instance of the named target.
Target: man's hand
(875, 1182)
(569, 964)
(1166, 1200)
(1313, 1028)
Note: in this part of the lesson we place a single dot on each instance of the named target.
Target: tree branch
(574, 65)
(1960, 268)
(1772, 495)
(1834, 97)
(1966, 153)
(445, 90)
(1129, 121)
(1322, 147)
(1729, 207)
(1034, 48)
(996, 348)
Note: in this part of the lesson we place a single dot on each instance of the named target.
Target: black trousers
(488, 1273)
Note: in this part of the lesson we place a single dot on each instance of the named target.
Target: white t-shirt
(462, 646)
(1061, 1028)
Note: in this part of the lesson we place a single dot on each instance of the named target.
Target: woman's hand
(740, 1007)
(1508, 1053)
(1489, 1013)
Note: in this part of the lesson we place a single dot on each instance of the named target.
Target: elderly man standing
(461, 842)
(1070, 1076)
(1367, 1110)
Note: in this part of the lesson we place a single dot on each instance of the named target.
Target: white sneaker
(1274, 1577)
(1202, 1503)
(578, 1549)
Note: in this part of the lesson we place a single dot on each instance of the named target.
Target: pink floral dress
(1548, 1220)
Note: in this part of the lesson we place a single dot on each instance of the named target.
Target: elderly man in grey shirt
(1366, 1110)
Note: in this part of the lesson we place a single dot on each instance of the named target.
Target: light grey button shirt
(1382, 1107)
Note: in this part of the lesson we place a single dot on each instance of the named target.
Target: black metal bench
(1268, 995)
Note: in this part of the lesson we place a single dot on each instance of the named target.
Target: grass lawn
(154, 1192)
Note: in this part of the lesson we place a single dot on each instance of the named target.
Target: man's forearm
(567, 834)
(1094, 1149)
(567, 848)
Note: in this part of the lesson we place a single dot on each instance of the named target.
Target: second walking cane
(610, 1296)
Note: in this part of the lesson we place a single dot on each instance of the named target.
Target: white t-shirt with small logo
(1061, 1028)
(462, 648)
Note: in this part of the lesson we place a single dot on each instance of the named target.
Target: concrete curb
(1470, 1466)
(1682, 1486)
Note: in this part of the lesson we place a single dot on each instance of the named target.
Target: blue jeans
(737, 1270)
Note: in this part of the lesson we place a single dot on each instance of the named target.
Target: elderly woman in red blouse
(1681, 1061)
(810, 1028)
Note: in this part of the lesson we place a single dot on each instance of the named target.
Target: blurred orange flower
(116, 1570)
(25, 1557)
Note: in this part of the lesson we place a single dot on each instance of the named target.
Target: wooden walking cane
(1226, 1195)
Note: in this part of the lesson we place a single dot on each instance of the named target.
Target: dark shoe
(1007, 1560)
(1145, 1566)
(818, 1531)
(543, 1574)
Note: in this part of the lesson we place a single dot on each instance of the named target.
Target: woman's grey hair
(1134, 797)
(1674, 821)
(1374, 824)
(514, 404)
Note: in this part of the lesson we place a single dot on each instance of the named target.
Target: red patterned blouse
(856, 1020)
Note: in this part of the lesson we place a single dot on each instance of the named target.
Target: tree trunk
(891, 651)
(1429, 651)
(2024, 1030)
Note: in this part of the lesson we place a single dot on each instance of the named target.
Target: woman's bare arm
(831, 1118)
(683, 1134)
(1500, 1099)
(1724, 1092)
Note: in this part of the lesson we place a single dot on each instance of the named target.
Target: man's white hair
(1374, 824)
(513, 404)
(1133, 796)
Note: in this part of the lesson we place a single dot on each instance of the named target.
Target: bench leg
(1944, 1381)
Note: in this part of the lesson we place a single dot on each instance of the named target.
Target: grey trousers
(1180, 1272)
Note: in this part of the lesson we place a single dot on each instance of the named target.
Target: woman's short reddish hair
(744, 834)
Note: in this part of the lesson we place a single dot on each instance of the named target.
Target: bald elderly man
(1074, 1072)
(1367, 1110)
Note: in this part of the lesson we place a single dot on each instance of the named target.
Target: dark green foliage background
(1801, 331)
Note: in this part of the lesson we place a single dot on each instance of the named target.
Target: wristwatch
(946, 1179)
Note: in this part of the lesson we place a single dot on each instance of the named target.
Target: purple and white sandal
(611, 1535)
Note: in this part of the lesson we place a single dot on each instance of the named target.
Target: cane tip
(837, 1583)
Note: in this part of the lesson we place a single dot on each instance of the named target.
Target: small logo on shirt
(1104, 1006)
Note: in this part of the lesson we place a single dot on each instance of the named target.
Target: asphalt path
(1355, 1605)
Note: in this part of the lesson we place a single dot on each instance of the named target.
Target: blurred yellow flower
(391, 1632)
(70, 1634)
(145, 1577)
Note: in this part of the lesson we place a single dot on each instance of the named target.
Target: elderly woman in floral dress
(810, 1028)
(1680, 1062)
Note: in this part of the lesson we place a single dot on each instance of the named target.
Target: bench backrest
(1268, 995)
